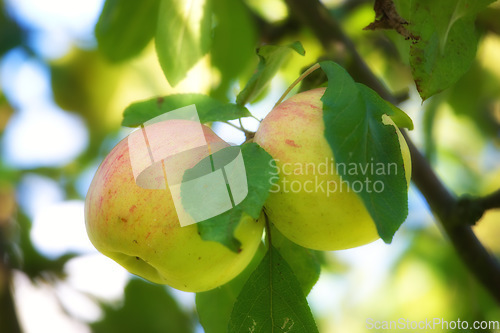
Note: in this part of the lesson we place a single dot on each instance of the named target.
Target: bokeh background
(61, 104)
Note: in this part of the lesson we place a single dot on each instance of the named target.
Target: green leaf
(234, 42)
(8, 175)
(355, 131)
(399, 117)
(271, 58)
(209, 109)
(305, 263)
(428, 127)
(182, 36)
(447, 44)
(146, 308)
(272, 300)
(13, 34)
(126, 27)
(214, 307)
(258, 169)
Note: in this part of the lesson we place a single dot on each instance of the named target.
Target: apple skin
(293, 132)
(140, 230)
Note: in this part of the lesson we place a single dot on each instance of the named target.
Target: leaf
(258, 170)
(182, 36)
(428, 128)
(399, 117)
(209, 109)
(272, 300)
(447, 41)
(305, 263)
(13, 34)
(126, 27)
(354, 129)
(146, 308)
(214, 307)
(271, 58)
(234, 41)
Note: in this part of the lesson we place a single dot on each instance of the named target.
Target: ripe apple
(139, 228)
(292, 133)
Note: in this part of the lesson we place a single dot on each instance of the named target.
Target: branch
(454, 215)
(271, 33)
(491, 201)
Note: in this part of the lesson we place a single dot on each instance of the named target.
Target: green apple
(304, 204)
(139, 228)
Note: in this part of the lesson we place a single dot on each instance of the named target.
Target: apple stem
(300, 78)
(233, 125)
(254, 117)
(248, 134)
(241, 125)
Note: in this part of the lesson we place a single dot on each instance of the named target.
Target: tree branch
(454, 215)
(491, 201)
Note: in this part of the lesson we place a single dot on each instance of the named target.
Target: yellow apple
(309, 203)
(139, 228)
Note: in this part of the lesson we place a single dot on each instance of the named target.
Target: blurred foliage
(234, 41)
(6, 112)
(84, 83)
(459, 129)
(11, 33)
(146, 308)
(125, 28)
(27, 258)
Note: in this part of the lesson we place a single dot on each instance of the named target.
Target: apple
(139, 227)
(293, 134)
